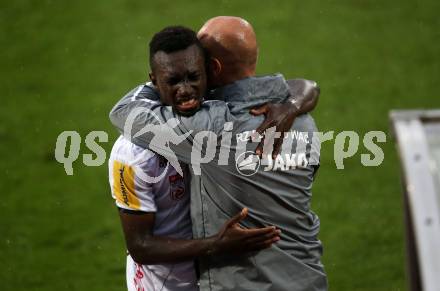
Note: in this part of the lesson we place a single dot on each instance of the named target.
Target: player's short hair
(172, 39)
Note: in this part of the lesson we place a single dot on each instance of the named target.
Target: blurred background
(65, 63)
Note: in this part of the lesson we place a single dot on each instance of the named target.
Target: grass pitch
(65, 63)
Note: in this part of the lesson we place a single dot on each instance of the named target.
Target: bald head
(232, 41)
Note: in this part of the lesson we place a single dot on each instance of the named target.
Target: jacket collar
(252, 91)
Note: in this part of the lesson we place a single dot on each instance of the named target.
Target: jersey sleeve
(127, 170)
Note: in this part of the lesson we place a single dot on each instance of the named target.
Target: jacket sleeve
(142, 120)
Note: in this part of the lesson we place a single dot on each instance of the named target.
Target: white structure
(418, 142)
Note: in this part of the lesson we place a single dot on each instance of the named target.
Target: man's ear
(152, 78)
(216, 66)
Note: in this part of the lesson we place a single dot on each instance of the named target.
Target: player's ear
(152, 78)
(215, 66)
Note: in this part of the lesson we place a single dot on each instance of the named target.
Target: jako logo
(285, 162)
(247, 163)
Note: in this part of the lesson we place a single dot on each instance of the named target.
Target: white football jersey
(141, 180)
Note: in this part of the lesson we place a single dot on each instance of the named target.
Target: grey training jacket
(226, 177)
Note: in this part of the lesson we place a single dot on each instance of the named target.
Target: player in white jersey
(168, 199)
(165, 205)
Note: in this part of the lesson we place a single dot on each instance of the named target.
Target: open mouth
(185, 105)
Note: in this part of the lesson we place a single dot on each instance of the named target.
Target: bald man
(277, 190)
(233, 49)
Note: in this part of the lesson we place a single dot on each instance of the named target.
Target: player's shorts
(141, 278)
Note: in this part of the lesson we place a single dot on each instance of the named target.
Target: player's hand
(278, 115)
(232, 238)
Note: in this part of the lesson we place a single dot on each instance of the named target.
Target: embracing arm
(131, 115)
(303, 98)
(135, 118)
(148, 249)
(304, 94)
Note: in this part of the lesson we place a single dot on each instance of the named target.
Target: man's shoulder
(127, 152)
(143, 91)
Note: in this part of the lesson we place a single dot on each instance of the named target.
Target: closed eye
(194, 76)
(173, 81)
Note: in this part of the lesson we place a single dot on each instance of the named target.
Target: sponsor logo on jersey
(123, 187)
(177, 187)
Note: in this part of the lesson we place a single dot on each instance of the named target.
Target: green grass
(65, 63)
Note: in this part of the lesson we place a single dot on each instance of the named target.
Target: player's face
(180, 78)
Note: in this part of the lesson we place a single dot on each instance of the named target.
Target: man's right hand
(233, 238)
